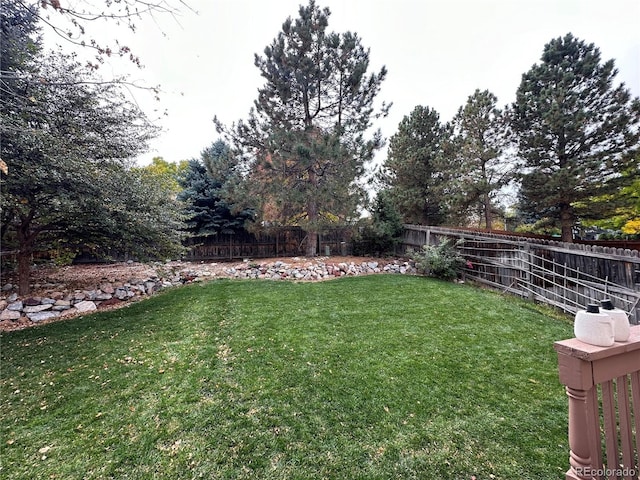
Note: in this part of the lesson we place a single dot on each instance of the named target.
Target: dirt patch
(77, 277)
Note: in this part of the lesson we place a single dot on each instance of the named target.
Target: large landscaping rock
(85, 306)
(41, 316)
(7, 314)
(37, 308)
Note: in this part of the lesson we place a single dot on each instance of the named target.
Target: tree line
(568, 147)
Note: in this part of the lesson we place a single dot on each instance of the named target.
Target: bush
(372, 240)
(382, 232)
(440, 261)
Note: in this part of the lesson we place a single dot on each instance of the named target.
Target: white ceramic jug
(593, 327)
(621, 327)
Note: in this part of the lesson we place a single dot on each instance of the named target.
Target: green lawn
(373, 377)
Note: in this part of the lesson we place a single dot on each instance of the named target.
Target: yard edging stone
(58, 303)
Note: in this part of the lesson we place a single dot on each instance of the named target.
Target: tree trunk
(566, 223)
(24, 272)
(312, 242)
(312, 232)
(488, 217)
(312, 218)
(26, 242)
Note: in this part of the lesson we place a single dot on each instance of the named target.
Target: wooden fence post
(575, 374)
(529, 272)
(583, 369)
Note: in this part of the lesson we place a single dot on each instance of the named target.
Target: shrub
(440, 261)
(382, 232)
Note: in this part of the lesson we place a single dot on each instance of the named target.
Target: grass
(372, 377)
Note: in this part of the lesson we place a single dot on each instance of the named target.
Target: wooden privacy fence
(568, 276)
(603, 386)
(276, 242)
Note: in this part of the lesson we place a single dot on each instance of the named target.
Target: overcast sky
(436, 52)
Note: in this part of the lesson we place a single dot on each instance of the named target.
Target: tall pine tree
(575, 131)
(305, 144)
(416, 170)
(480, 144)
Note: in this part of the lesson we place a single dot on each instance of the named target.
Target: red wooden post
(582, 369)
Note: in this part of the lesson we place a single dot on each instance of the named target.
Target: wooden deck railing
(603, 386)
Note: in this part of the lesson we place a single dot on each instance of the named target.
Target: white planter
(593, 327)
(621, 326)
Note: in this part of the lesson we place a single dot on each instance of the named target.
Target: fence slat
(635, 399)
(610, 427)
(280, 242)
(626, 435)
(593, 429)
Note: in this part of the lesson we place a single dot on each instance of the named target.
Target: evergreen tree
(575, 131)
(417, 171)
(206, 212)
(304, 143)
(480, 141)
(383, 231)
(218, 160)
(622, 206)
(225, 168)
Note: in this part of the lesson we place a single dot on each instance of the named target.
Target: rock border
(17, 313)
